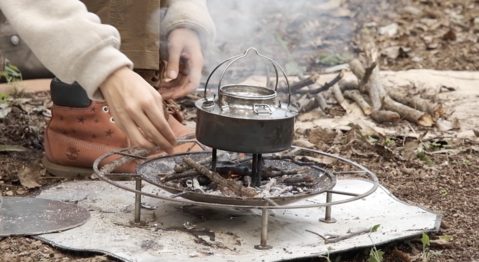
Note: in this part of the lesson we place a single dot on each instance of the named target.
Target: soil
(437, 173)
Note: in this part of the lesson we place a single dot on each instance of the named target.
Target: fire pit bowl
(155, 170)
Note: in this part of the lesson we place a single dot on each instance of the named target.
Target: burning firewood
(177, 176)
(226, 186)
(180, 168)
(299, 179)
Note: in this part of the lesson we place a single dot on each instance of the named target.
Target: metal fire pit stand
(104, 173)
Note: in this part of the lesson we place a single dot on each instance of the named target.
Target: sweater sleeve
(191, 14)
(71, 42)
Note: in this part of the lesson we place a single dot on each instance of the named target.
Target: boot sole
(66, 171)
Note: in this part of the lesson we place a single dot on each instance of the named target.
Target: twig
(327, 85)
(303, 83)
(375, 90)
(180, 168)
(110, 167)
(336, 239)
(317, 234)
(176, 176)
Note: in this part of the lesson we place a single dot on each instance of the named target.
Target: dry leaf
(28, 178)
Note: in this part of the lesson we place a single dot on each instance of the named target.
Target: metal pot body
(242, 134)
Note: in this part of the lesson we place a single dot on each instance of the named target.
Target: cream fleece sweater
(74, 45)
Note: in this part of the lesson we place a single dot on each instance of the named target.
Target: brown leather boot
(82, 130)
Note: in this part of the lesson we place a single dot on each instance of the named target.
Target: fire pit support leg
(327, 214)
(138, 200)
(214, 158)
(256, 166)
(264, 231)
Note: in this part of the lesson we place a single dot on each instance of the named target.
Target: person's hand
(138, 110)
(185, 61)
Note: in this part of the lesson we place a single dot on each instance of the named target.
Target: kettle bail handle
(234, 59)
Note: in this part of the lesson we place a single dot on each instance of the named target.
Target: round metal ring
(173, 198)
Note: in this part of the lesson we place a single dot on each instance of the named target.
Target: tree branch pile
(374, 100)
(366, 90)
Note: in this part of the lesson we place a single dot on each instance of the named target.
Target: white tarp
(167, 234)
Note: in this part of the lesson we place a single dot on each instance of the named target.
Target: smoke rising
(300, 35)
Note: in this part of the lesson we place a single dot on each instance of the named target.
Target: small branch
(328, 85)
(361, 73)
(358, 98)
(409, 113)
(340, 98)
(376, 90)
(350, 235)
(367, 75)
(303, 83)
(383, 116)
(136, 152)
(176, 176)
(180, 168)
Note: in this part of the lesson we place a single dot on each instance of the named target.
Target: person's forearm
(68, 40)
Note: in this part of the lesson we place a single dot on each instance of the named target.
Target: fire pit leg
(264, 231)
(214, 159)
(256, 166)
(327, 214)
(138, 200)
